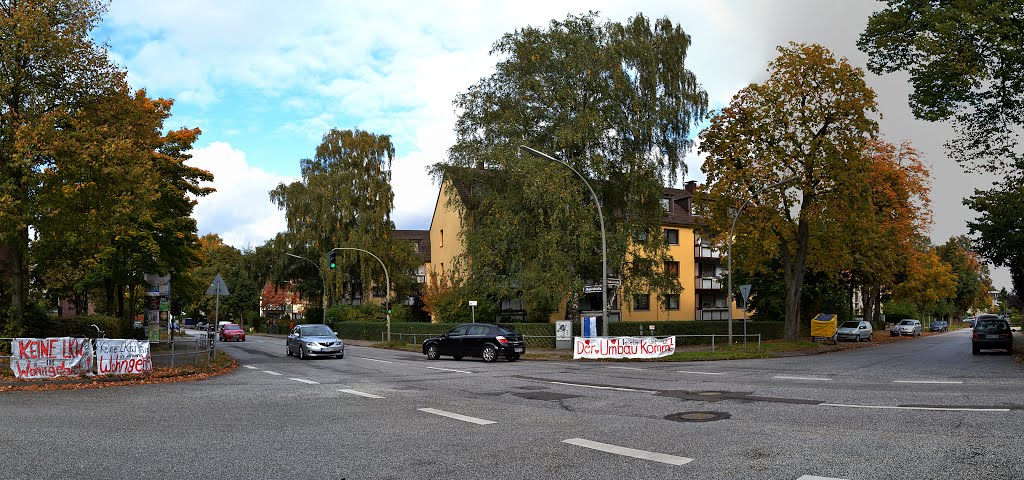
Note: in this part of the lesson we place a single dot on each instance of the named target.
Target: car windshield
(232, 327)
(317, 331)
(992, 327)
(907, 322)
(849, 325)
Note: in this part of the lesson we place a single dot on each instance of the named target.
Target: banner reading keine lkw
(51, 357)
(623, 347)
(118, 357)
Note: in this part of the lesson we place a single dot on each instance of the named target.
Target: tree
(928, 280)
(810, 119)
(972, 282)
(1000, 227)
(344, 200)
(616, 102)
(966, 63)
(49, 66)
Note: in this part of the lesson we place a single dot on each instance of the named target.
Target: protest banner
(120, 357)
(51, 357)
(623, 347)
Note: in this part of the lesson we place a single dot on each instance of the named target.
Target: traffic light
(333, 259)
(389, 308)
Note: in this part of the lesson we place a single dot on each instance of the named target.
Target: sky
(264, 80)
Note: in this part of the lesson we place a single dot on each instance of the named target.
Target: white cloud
(240, 210)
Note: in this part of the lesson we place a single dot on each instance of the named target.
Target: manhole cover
(697, 416)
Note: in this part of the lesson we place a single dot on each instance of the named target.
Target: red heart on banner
(586, 342)
(612, 341)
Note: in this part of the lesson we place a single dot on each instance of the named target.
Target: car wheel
(288, 350)
(302, 353)
(432, 352)
(512, 358)
(340, 356)
(975, 350)
(458, 357)
(489, 353)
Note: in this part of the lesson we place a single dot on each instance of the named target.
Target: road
(917, 409)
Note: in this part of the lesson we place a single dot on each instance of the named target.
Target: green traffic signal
(333, 261)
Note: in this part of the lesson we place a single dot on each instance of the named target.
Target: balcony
(708, 283)
(711, 314)
(704, 251)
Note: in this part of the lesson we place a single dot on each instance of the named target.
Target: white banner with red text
(623, 347)
(51, 357)
(120, 357)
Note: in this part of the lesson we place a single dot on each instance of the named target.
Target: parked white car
(907, 327)
(860, 331)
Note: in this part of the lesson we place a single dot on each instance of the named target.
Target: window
(378, 292)
(672, 236)
(442, 238)
(672, 268)
(478, 330)
(672, 301)
(641, 301)
(666, 204)
(640, 237)
(458, 331)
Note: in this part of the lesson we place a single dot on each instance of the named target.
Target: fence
(548, 341)
(180, 352)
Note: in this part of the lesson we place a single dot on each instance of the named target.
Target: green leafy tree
(966, 63)
(1000, 227)
(811, 119)
(972, 281)
(344, 200)
(613, 100)
(49, 67)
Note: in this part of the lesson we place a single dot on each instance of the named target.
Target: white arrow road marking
(270, 372)
(361, 394)
(629, 452)
(782, 377)
(303, 380)
(448, 369)
(464, 418)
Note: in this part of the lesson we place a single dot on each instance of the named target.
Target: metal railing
(181, 351)
(549, 340)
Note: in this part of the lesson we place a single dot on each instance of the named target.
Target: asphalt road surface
(919, 409)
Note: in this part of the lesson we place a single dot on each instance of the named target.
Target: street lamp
(387, 282)
(734, 218)
(322, 279)
(604, 245)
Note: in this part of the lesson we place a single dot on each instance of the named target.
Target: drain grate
(697, 417)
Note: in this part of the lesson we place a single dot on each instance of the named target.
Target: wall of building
(445, 228)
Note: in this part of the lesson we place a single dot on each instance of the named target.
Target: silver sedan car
(907, 327)
(314, 340)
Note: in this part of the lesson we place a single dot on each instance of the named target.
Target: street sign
(745, 293)
(592, 289)
(472, 303)
(218, 287)
(614, 282)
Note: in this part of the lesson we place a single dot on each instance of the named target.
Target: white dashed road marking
(374, 360)
(927, 381)
(621, 389)
(940, 409)
(270, 372)
(781, 377)
(626, 368)
(464, 418)
(629, 452)
(250, 367)
(701, 373)
(361, 394)
(812, 477)
(448, 369)
(303, 380)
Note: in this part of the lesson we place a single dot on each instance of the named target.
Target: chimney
(691, 186)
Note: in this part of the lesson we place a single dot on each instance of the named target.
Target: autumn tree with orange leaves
(811, 119)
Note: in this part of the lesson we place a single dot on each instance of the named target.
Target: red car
(232, 332)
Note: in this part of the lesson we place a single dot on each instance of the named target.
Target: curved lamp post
(387, 281)
(604, 245)
(732, 229)
(322, 279)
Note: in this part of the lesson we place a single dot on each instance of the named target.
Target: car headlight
(310, 344)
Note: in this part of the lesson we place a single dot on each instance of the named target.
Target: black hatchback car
(991, 332)
(477, 340)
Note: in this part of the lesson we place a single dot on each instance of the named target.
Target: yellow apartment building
(700, 270)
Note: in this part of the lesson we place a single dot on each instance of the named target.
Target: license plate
(518, 350)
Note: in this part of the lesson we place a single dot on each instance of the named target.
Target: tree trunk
(868, 309)
(794, 277)
(108, 292)
(120, 302)
(19, 269)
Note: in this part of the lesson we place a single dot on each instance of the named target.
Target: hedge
(541, 335)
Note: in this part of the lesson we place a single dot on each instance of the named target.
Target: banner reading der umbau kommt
(623, 347)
